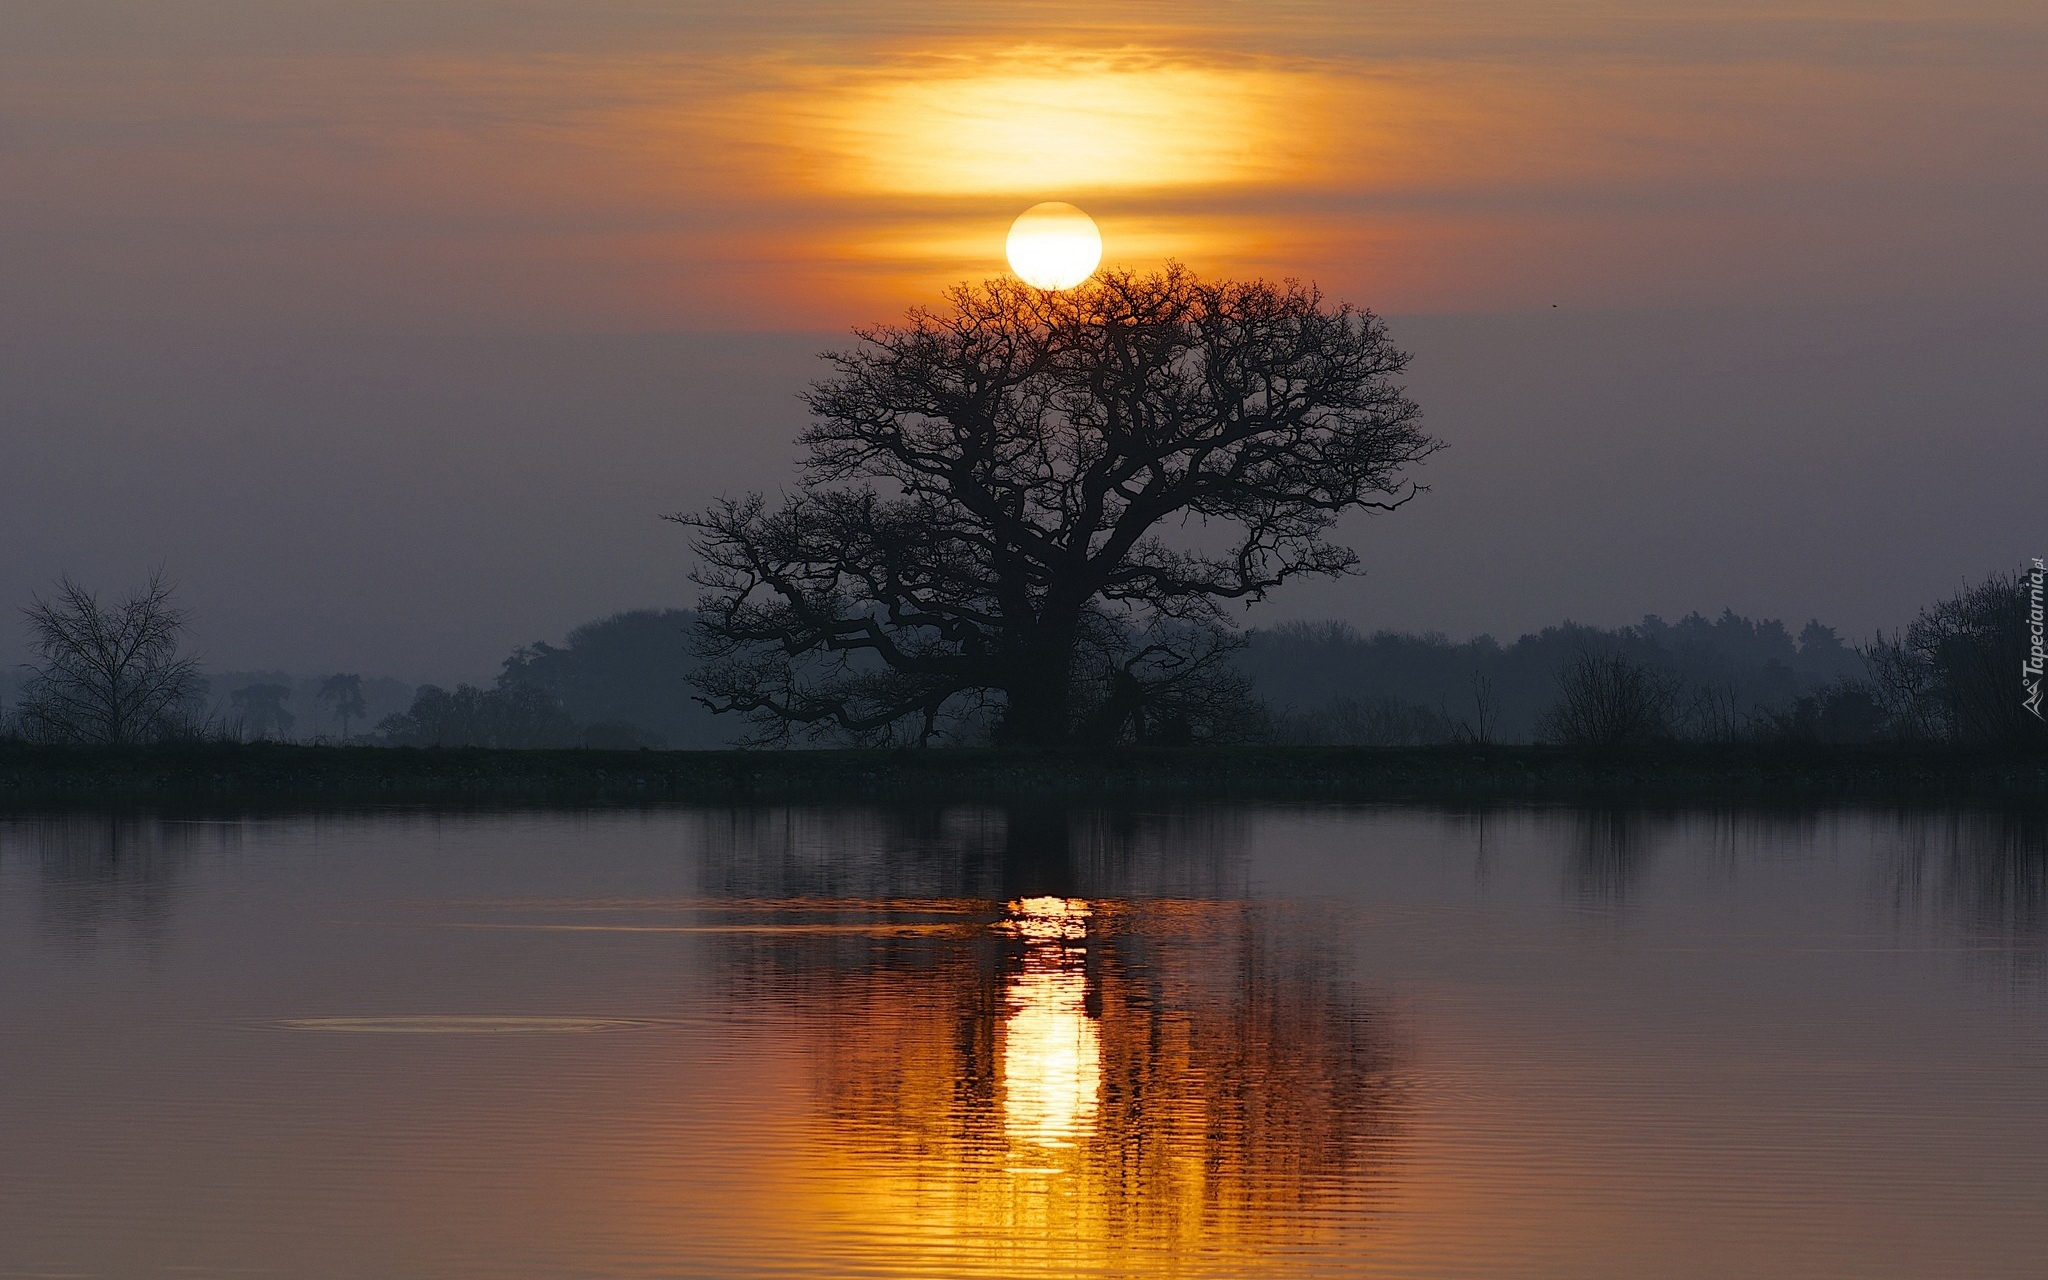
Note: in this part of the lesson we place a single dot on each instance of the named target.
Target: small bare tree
(1610, 701)
(1479, 730)
(107, 673)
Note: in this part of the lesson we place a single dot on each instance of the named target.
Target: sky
(391, 327)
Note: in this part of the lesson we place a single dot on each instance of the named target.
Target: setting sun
(1054, 245)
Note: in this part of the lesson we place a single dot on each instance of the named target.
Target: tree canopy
(1036, 505)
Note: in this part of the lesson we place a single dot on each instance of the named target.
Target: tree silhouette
(1955, 673)
(260, 709)
(979, 518)
(107, 673)
(343, 695)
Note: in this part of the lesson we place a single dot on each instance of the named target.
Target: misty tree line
(1949, 676)
(1721, 679)
(116, 671)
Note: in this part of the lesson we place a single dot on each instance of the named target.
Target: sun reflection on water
(1052, 1050)
(1081, 1087)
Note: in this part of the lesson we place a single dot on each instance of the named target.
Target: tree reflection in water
(1075, 1084)
(110, 874)
(1985, 871)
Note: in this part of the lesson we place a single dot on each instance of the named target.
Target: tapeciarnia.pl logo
(2037, 656)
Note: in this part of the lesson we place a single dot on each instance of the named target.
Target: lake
(1035, 1041)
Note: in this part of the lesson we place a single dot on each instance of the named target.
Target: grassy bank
(31, 775)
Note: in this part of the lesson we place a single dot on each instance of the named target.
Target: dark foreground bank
(36, 775)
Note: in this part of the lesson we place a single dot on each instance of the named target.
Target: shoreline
(35, 776)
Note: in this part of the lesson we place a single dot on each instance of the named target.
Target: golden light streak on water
(1068, 1092)
(1052, 1050)
(458, 1024)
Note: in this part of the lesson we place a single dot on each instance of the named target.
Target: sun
(1054, 245)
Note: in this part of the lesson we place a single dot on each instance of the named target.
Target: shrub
(1610, 701)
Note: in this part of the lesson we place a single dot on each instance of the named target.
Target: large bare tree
(107, 673)
(983, 508)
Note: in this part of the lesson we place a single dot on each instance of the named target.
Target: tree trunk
(1037, 700)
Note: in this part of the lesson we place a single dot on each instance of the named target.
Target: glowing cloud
(1041, 120)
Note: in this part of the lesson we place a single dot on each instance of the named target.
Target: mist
(415, 505)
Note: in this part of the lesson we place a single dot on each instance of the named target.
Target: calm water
(976, 1042)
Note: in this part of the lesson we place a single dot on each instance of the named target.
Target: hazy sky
(391, 325)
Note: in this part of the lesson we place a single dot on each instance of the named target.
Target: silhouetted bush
(1848, 712)
(1610, 700)
(616, 735)
(1954, 674)
(521, 716)
(1371, 722)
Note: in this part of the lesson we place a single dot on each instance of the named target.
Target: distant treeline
(276, 705)
(1716, 679)
(1952, 675)
(622, 681)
